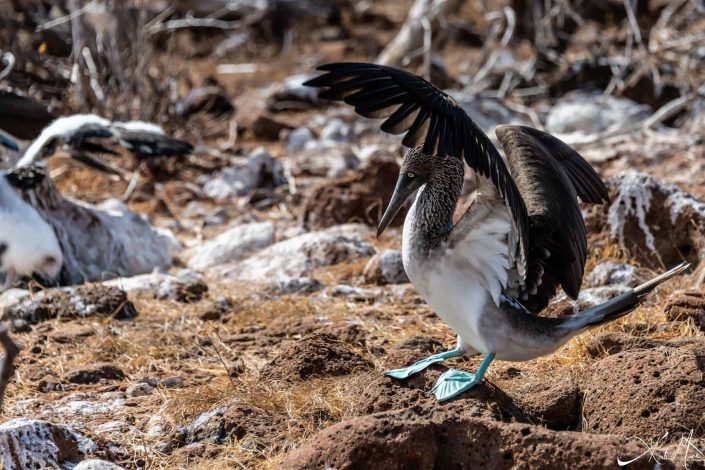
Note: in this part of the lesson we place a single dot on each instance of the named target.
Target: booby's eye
(411, 174)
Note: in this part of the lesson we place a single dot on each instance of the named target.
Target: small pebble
(172, 382)
(139, 390)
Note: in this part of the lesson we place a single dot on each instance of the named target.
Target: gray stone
(385, 268)
(31, 443)
(295, 285)
(259, 171)
(232, 245)
(325, 160)
(139, 390)
(580, 114)
(299, 138)
(358, 294)
(298, 257)
(609, 273)
(172, 382)
(336, 131)
(97, 464)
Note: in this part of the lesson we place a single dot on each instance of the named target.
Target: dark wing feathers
(149, 144)
(587, 183)
(80, 139)
(430, 118)
(551, 176)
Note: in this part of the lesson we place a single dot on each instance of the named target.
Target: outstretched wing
(551, 176)
(429, 117)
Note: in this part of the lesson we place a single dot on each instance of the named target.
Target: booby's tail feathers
(622, 304)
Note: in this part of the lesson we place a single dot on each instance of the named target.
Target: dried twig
(8, 364)
(412, 38)
(666, 111)
(184, 23)
(8, 57)
(65, 19)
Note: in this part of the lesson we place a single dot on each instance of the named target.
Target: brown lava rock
(317, 354)
(610, 342)
(71, 333)
(76, 302)
(687, 305)
(424, 344)
(95, 373)
(402, 439)
(555, 402)
(648, 392)
(607, 343)
(674, 218)
(238, 421)
(359, 196)
(49, 383)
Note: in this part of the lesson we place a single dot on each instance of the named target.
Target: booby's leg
(407, 372)
(10, 279)
(133, 183)
(454, 382)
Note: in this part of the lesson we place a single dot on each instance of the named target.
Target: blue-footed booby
(487, 275)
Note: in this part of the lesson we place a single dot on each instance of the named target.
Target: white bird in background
(88, 133)
(28, 244)
(82, 134)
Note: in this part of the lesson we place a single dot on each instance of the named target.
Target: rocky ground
(264, 345)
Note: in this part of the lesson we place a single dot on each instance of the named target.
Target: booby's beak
(9, 143)
(406, 186)
(101, 166)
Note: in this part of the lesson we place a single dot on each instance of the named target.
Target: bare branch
(411, 38)
(8, 364)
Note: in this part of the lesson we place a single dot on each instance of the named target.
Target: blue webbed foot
(417, 367)
(454, 382)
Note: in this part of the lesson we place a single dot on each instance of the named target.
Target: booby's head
(416, 169)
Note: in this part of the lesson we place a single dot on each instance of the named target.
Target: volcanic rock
(259, 171)
(234, 244)
(357, 197)
(237, 421)
(687, 305)
(95, 373)
(580, 114)
(74, 302)
(97, 464)
(385, 267)
(657, 222)
(315, 355)
(648, 392)
(403, 439)
(290, 260)
(32, 443)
